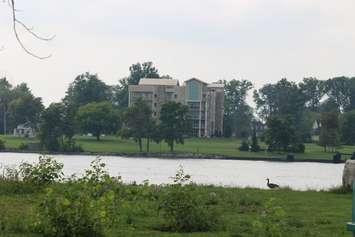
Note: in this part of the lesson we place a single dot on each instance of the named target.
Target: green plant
(271, 221)
(244, 146)
(2, 145)
(46, 171)
(84, 207)
(70, 146)
(186, 210)
(23, 146)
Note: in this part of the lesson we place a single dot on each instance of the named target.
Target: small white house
(24, 130)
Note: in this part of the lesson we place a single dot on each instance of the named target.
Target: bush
(244, 146)
(290, 157)
(70, 146)
(185, 209)
(271, 222)
(296, 148)
(2, 145)
(353, 156)
(46, 171)
(82, 208)
(337, 157)
(23, 146)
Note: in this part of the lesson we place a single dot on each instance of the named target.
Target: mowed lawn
(310, 213)
(215, 146)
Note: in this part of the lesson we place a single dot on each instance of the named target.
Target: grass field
(307, 213)
(215, 146)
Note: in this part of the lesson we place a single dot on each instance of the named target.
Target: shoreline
(177, 156)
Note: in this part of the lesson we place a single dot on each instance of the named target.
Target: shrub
(46, 171)
(353, 156)
(271, 222)
(244, 146)
(290, 157)
(296, 148)
(185, 209)
(82, 208)
(23, 146)
(337, 157)
(71, 146)
(2, 145)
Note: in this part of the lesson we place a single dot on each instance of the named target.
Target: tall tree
(237, 113)
(329, 132)
(285, 100)
(138, 123)
(85, 89)
(5, 98)
(348, 127)
(313, 90)
(280, 133)
(174, 123)
(98, 118)
(51, 127)
(342, 91)
(137, 72)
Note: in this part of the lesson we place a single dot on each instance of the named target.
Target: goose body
(271, 185)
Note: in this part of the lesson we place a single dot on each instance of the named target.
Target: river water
(234, 173)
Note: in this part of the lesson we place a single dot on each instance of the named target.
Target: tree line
(286, 115)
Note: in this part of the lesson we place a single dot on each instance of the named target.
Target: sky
(258, 40)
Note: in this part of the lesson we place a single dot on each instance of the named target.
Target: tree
(280, 133)
(313, 90)
(25, 109)
(348, 128)
(174, 123)
(285, 100)
(237, 114)
(138, 123)
(51, 127)
(85, 89)
(5, 98)
(342, 91)
(329, 132)
(137, 72)
(254, 141)
(98, 118)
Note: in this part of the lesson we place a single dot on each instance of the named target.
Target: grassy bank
(216, 146)
(307, 213)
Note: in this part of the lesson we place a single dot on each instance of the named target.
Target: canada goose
(271, 185)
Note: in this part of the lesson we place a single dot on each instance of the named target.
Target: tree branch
(16, 22)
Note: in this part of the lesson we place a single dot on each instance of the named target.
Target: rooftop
(158, 82)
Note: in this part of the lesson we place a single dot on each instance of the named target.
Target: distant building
(24, 130)
(205, 101)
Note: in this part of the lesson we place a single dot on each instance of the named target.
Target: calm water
(301, 176)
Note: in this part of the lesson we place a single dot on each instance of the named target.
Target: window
(155, 113)
(155, 104)
(155, 95)
(175, 96)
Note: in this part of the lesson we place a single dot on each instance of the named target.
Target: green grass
(215, 146)
(307, 213)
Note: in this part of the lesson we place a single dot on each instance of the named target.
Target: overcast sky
(258, 40)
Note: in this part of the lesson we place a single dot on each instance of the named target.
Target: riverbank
(214, 148)
(306, 213)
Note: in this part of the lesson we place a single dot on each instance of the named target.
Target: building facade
(205, 101)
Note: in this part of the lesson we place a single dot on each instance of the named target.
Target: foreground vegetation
(36, 201)
(218, 146)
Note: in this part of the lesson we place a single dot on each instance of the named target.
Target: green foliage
(348, 127)
(174, 123)
(244, 146)
(237, 113)
(46, 171)
(23, 146)
(2, 145)
(313, 90)
(70, 145)
(85, 89)
(254, 142)
(329, 133)
(83, 208)
(98, 118)
(280, 133)
(138, 123)
(186, 210)
(271, 222)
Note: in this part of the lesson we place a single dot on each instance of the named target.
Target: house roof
(158, 82)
